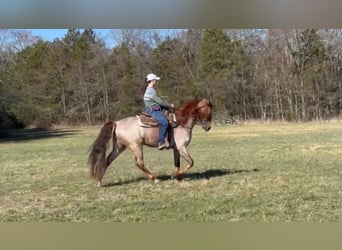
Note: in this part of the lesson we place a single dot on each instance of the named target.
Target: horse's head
(204, 114)
(195, 111)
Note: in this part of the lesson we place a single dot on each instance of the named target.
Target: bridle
(204, 122)
(198, 120)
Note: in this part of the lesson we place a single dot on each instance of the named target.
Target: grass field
(256, 172)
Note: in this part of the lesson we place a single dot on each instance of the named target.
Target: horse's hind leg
(110, 158)
(139, 162)
(115, 153)
(107, 161)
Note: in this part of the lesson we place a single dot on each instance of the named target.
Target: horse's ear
(209, 94)
(210, 97)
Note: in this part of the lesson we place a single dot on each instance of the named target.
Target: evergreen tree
(170, 63)
(223, 64)
(128, 87)
(215, 52)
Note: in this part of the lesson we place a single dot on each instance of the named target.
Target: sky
(52, 34)
(49, 34)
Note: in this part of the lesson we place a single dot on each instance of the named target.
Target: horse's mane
(188, 109)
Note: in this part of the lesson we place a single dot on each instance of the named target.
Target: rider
(153, 106)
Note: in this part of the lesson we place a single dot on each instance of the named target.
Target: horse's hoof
(179, 177)
(99, 184)
(155, 181)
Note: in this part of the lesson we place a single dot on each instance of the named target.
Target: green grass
(257, 172)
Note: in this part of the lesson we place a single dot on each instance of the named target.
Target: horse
(129, 133)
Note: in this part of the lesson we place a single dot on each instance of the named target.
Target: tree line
(276, 74)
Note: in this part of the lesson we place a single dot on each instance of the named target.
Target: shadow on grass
(188, 176)
(216, 173)
(33, 134)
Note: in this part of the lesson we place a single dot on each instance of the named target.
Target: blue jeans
(160, 117)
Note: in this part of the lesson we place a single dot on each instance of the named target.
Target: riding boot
(166, 144)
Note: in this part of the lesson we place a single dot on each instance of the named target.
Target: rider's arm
(159, 101)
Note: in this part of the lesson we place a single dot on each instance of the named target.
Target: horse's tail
(97, 155)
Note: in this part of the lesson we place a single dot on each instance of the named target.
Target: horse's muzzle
(206, 126)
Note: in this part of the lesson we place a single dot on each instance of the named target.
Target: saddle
(147, 121)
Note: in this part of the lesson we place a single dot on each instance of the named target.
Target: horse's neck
(187, 121)
(188, 115)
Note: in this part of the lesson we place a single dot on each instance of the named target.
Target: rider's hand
(172, 109)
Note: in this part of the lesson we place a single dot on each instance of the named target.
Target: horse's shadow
(216, 173)
(212, 173)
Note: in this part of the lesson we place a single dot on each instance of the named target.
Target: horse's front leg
(190, 162)
(139, 162)
(176, 158)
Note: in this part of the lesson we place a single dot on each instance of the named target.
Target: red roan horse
(128, 133)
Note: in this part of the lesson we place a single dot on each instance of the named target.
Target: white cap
(151, 77)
